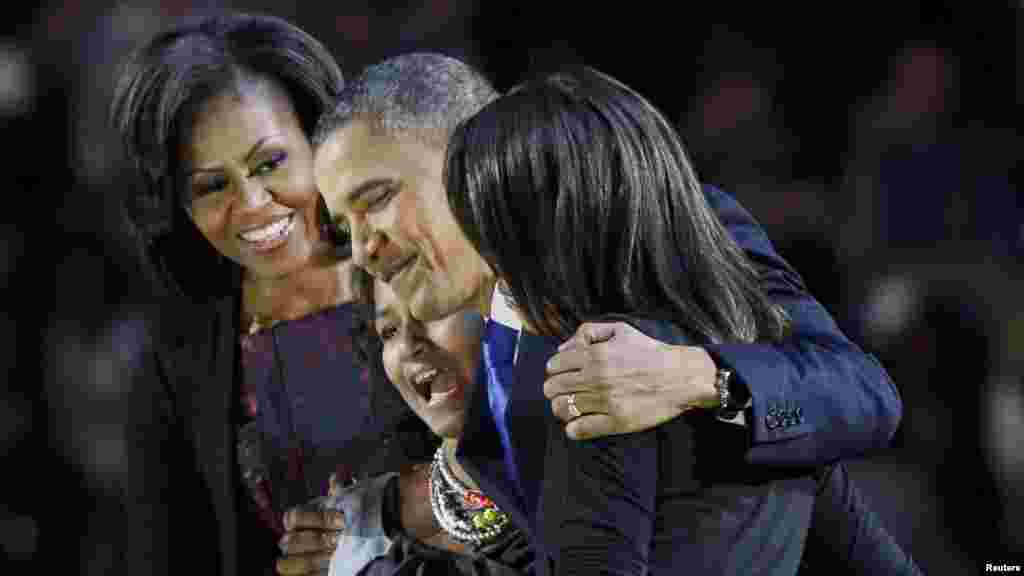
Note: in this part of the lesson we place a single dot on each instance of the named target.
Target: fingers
(312, 535)
(575, 370)
(591, 426)
(586, 348)
(561, 384)
(307, 541)
(591, 333)
(595, 333)
(304, 564)
(586, 403)
(303, 518)
(333, 486)
(571, 360)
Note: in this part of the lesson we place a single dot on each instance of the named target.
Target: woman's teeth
(425, 380)
(440, 396)
(271, 232)
(426, 376)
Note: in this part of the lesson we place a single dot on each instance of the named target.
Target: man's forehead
(366, 137)
(344, 163)
(341, 146)
(357, 155)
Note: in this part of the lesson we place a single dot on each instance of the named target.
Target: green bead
(490, 515)
(479, 521)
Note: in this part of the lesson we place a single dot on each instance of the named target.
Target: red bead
(477, 500)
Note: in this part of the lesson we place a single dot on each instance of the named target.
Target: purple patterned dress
(305, 412)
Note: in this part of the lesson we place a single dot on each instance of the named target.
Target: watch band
(727, 408)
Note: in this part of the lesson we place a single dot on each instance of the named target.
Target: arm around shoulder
(816, 396)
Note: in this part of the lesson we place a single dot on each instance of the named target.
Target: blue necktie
(499, 360)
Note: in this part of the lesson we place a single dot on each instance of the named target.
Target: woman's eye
(210, 186)
(269, 165)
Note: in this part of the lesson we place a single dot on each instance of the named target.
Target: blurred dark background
(875, 143)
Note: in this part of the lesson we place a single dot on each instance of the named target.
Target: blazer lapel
(480, 452)
(527, 411)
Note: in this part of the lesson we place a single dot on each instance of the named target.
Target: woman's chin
(449, 426)
(289, 259)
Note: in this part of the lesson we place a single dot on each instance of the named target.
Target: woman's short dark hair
(579, 194)
(164, 82)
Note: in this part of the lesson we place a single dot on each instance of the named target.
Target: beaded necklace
(465, 514)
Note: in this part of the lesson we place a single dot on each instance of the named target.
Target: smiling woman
(432, 364)
(250, 187)
(263, 397)
(436, 521)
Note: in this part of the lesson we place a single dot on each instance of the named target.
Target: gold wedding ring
(573, 409)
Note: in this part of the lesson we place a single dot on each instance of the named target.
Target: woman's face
(249, 185)
(433, 364)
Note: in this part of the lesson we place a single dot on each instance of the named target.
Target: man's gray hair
(419, 91)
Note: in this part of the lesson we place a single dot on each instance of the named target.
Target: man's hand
(624, 381)
(311, 535)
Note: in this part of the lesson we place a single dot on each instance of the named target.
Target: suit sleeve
(599, 502)
(816, 397)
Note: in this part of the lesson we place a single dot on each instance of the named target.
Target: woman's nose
(254, 193)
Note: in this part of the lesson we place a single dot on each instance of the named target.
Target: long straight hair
(580, 196)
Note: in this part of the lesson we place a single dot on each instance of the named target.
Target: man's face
(388, 188)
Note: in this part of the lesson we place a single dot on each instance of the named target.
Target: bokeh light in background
(17, 80)
(876, 145)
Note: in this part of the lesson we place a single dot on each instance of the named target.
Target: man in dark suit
(809, 401)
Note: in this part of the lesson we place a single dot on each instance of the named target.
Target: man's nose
(365, 244)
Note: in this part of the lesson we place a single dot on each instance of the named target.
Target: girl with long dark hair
(579, 195)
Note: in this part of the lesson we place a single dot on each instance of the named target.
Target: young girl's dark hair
(579, 194)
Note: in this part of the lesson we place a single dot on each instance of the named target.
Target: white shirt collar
(502, 313)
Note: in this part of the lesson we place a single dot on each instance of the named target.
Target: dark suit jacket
(817, 397)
